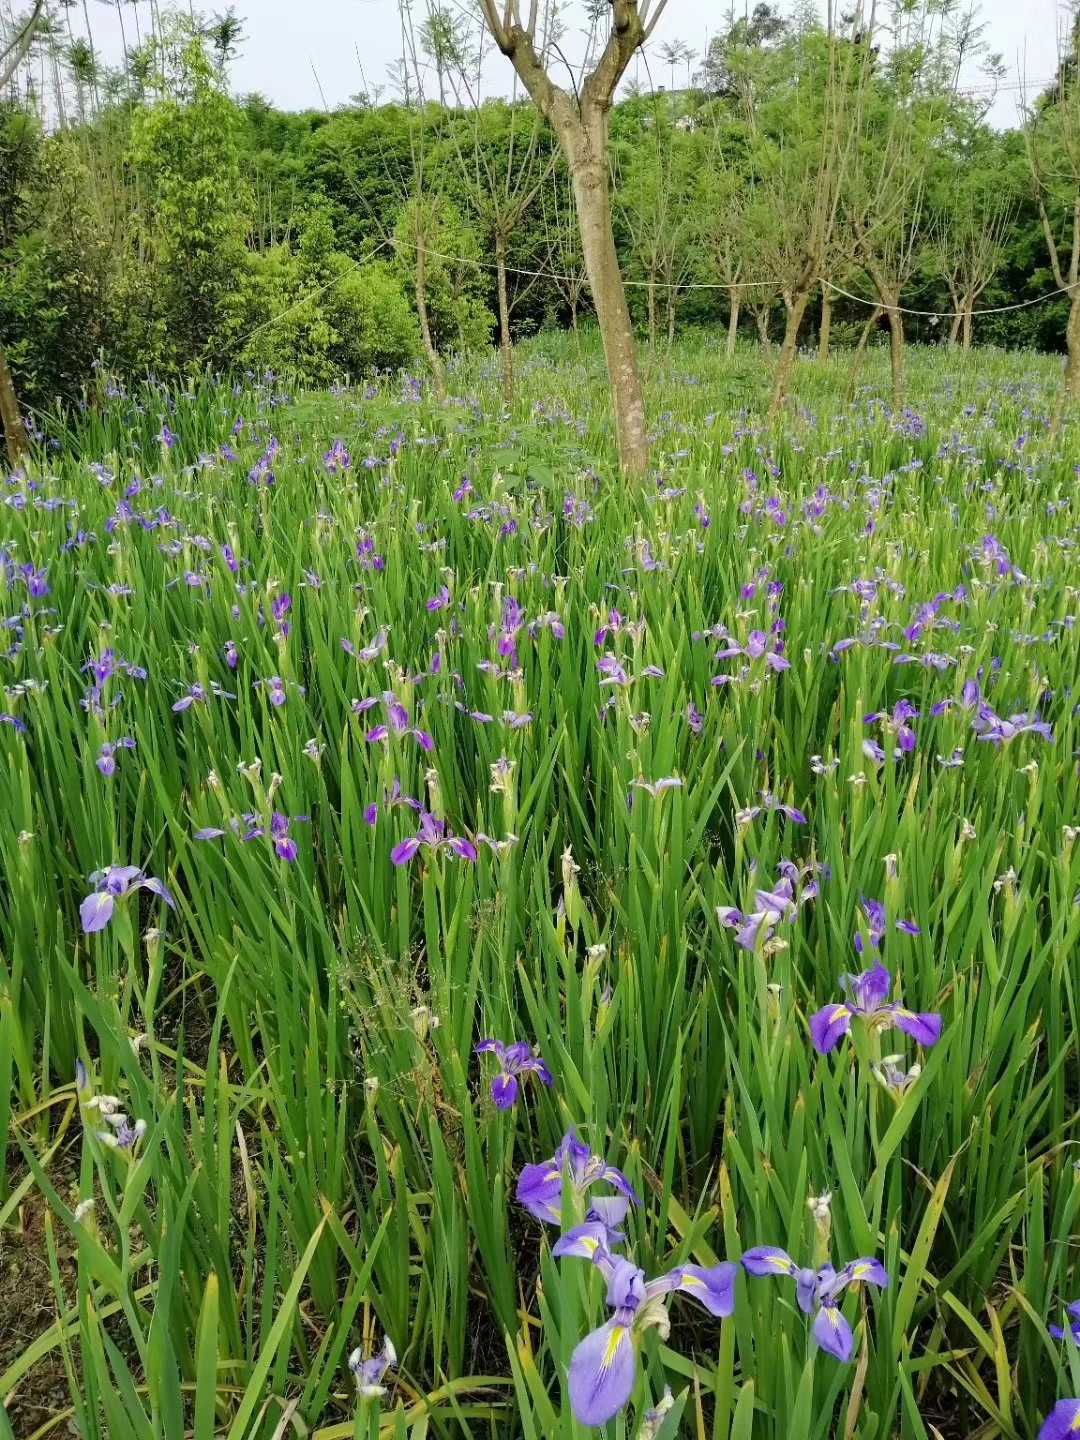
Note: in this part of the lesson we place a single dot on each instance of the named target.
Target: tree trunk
(968, 323)
(671, 315)
(506, 348)
(589, 174)
(434, 359)
(1069, 399)
(761, 320)
(786, 363)
(18, 446)
(860, 349)
(825, 327)
(651, 299)
(896, 355)
(954, 325)
(733, 321)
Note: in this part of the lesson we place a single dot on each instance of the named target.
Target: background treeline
(150, 222)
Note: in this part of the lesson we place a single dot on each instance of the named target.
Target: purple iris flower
(540, 1187)
(897, 723)
(199, 695)
(116, 882)
(337, 459)
(440, 600)
(514, 1060)
(611, 672)
(36, 581)
(999, 731)
(773, 908)
(603, 1367)
(876, 918)
(106, 760)
(19, 726)
(759, 646)
(770, 802)
(1073, 1331)
(868, 998)
(279, 609)
(369, 652)
(370, 1369)
(432, 836)
(366, 555)
(818, 1292)
(1063, 1422)
(285, 847)
(398, 718)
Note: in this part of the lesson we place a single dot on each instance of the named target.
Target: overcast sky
(298, 54)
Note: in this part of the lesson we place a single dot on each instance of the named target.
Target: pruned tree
(502, 161)
(654, 203)
(580, 116)
(562, 242)
(802, 116)
(966, 250)
(903, 116)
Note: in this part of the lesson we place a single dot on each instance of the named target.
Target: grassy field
(344, 732)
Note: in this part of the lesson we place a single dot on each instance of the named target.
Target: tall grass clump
(490, 950)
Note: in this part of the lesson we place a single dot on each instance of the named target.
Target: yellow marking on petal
(840, 1012)
(858, 1271)
(590, 1244)
(778, 1261)
(1074, 1424)
(689, 1281)
(615, 1339)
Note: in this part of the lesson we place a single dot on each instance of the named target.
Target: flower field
(494, 950)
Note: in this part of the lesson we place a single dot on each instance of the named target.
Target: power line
(748, 285)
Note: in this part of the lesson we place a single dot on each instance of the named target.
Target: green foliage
(185, 154)
(455, 278)
(316, 316)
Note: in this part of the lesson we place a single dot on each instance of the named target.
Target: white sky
(295, 54)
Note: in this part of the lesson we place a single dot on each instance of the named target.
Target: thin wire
(948, 314)
(749, 285)
(312, 294)
(555, 275)
(393, 244)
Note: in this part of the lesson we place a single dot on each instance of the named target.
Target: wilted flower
(818, 1292)
(656, 788)
(514, 1060)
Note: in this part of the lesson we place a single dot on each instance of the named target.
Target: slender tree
(580, 118)
(1052, 140)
